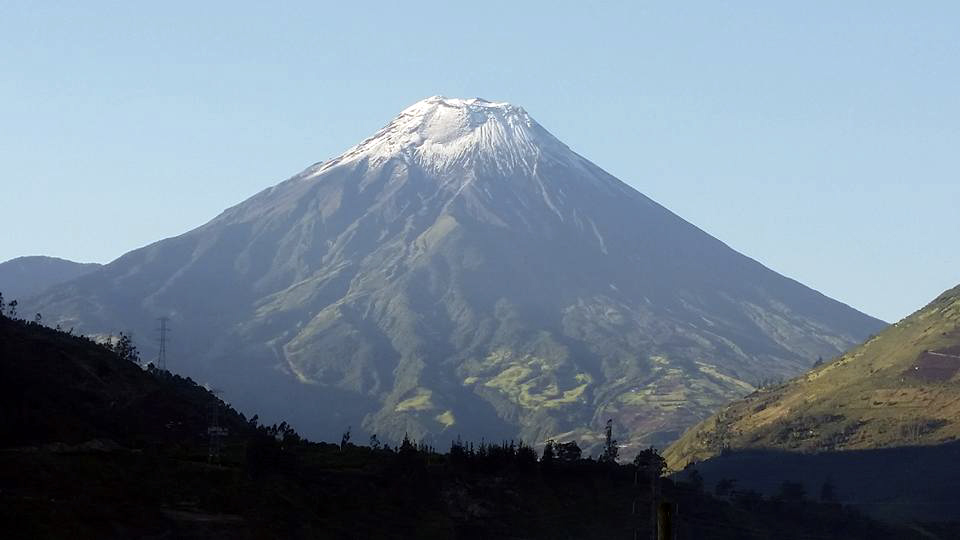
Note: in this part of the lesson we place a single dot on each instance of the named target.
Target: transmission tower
(162, 356)
(215, 431)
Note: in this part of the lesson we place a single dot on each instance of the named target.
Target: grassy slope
(899, 388)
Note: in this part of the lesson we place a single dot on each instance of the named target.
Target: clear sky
(821, 138)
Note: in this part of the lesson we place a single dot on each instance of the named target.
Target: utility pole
(654, 503)
(662, 513)
(636, 500)
(162, 357)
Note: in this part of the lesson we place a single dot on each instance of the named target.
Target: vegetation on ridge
(899, 388)
(97, 447)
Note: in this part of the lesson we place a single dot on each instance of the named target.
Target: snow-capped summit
(463, 271)
(439, 133)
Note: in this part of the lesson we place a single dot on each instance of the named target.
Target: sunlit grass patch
(446, 418)
(420, 401)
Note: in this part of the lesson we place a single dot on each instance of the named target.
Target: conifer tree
(549, 454)
(345, 439)
(610, 448)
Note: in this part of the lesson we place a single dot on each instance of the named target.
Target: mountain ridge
(26, 276)
(506, 296)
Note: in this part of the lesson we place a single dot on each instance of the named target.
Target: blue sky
(821, 138)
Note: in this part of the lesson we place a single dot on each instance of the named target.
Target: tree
(526, 457)
(12, 309)
(2, 305)
(650, 462)
(283, 434)
(694, 480)
(407, 447)
(345, 439)
(568, 452)
(549, 454)
(458, 451)
(374, 442)
(126, 350)
(37, 319)
(610, 449)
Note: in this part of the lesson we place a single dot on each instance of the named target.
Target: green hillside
(899, 388)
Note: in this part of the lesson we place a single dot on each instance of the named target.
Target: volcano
(463, 272)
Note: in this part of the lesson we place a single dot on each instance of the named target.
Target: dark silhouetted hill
(904, 484)
(93, 446)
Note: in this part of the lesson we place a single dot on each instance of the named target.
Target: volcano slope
(462, 271)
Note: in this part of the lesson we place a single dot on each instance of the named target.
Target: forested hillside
(99, 447)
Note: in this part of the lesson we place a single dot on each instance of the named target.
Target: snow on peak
(439, 133)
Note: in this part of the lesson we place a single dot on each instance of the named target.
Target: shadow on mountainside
(901, 484)
(94, 446)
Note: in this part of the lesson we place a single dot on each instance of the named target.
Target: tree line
(122, 345)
